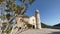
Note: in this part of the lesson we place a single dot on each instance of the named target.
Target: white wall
(32, 21)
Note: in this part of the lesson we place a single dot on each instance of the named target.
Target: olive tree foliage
(11, 6)
(15, 9)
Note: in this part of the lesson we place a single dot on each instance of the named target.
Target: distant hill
(57, 26)
(44, 25)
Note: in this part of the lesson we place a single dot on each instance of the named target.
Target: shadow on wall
(55, 33)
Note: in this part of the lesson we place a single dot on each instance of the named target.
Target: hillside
(57, 26)
(44, 25)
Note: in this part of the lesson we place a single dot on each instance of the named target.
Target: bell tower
(38, 21)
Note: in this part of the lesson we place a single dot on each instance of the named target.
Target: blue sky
(49, 11)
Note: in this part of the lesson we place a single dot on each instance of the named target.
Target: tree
(15, 9)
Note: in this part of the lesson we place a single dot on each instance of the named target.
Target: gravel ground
(42, 31)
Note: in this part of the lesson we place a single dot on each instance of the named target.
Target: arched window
(33, 27)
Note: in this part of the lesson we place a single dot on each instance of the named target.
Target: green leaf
(8, 16)
(31, 1)
(23, 1)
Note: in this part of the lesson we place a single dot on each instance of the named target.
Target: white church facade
(34, 20)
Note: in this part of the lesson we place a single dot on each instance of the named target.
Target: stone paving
(42, 31)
